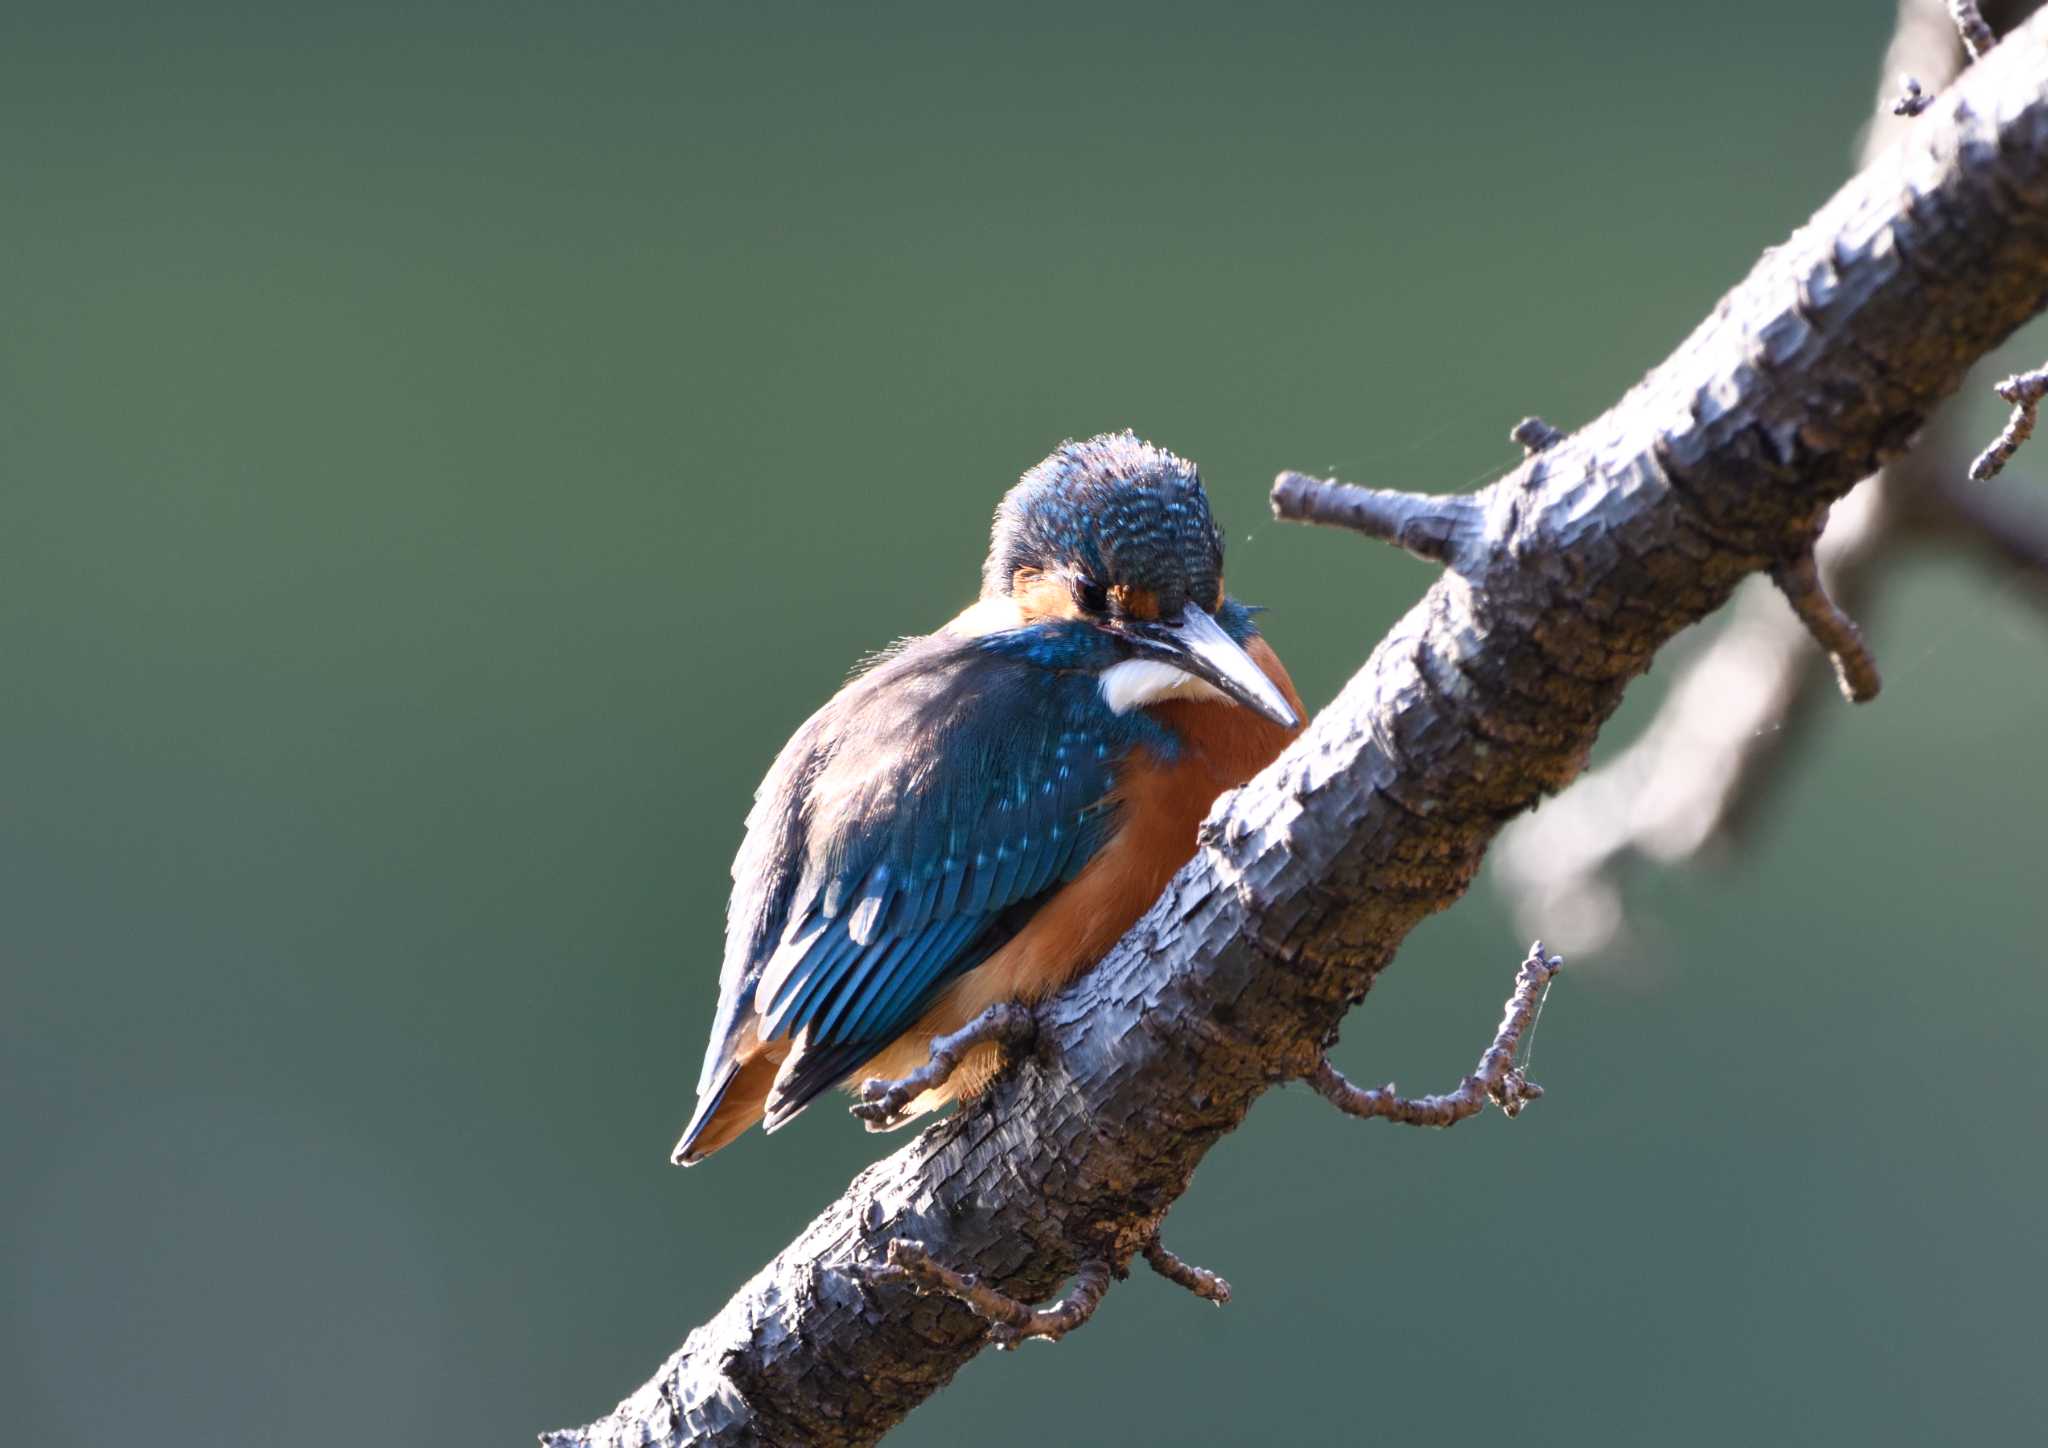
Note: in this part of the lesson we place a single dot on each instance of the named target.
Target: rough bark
(1485, 697)
(1746, 705)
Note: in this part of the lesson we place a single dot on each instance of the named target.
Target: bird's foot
(883, 1103)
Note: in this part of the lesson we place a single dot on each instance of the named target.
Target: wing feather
(909, 828)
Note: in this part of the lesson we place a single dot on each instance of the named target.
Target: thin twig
(1495, 1079)
(2024, 390)
(1535, 435)
(1912, 100)
(1010, 1321)
(1198, 1280)
(1832, 629)
(1441, 528)
(1978, 37)
(882, 1102)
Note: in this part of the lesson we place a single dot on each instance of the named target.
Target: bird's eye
(1092, 596)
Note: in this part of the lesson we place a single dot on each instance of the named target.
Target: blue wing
(908, 829)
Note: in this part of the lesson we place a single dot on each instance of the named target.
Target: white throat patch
(1135, 683)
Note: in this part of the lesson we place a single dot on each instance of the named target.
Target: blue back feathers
(899, 833)
(914, 824)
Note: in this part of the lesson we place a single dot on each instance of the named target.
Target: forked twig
(1496, 1078)
(2024, 390)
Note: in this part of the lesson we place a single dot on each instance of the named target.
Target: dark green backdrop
(447, 447)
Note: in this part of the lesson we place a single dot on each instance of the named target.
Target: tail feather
(737, 1099)
(809, 1074)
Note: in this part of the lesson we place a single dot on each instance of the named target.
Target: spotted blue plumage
(1115, 507)
(918, 821)
(907, 831)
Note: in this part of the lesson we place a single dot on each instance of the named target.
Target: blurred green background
(448, 447)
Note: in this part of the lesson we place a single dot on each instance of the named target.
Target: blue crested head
(1114, 564)
(1116, 516)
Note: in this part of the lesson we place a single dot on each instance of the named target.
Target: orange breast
(1161, 807)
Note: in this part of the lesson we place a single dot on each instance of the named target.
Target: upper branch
(1978, 38)
(1743, 708)
(1593, 553)
(1442, 528)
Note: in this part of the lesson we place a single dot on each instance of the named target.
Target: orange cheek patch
(1041, 595)
(1139, 603)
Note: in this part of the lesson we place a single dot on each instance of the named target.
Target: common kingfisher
(985, 810)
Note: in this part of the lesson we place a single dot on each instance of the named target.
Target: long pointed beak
(1197, 643)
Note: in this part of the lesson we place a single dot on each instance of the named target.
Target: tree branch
(1487, 696)
(2010, 539)
(1438, 528)
(1978, 38)
(1741, 709)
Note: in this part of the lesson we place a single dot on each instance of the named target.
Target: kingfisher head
(1109, 551)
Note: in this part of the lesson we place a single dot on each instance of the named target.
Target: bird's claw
(884, 1104)
(881, 1104)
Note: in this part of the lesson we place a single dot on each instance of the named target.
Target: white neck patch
(1135, 683)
